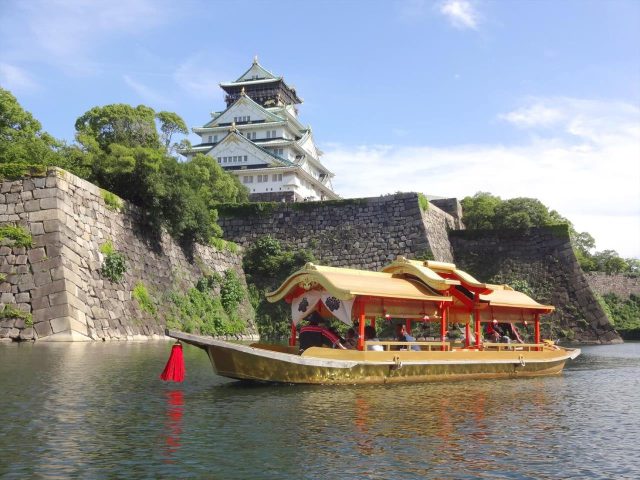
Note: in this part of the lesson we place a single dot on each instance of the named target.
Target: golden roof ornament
(242, 92)
(233, 128)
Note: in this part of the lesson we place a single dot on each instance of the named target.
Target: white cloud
(587, 168)
(16, 79)
(461, 13)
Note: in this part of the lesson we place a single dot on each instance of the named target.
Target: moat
(99, 411)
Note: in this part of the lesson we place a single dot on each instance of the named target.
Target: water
(100, 411)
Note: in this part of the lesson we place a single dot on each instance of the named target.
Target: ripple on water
(99, 411)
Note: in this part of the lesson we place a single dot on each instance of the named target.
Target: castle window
(273, 134)
(210, 138)
(245, 158)
(215, 139)
(277, 177)
(247, 179)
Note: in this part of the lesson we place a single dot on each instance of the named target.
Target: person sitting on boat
(403, 336)
(495, 333)
(314, 335)
(351, 342)
(370, 334)
(511, 331)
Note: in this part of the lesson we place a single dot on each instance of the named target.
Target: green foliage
(142, 296)
(224, 245)
(200, 310)
(479, 211)
(14, 171)
(10, 311)
(111, 200)
(231, 292)
(19, 236)
(624, 314)
(170, 124)
(114, 265)
(254, 209)
(3, 277)
(267, 263)
(22, 140)
(423, 202)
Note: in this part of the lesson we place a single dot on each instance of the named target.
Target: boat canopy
(337, 289)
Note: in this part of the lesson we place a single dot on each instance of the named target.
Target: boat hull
(328, 366)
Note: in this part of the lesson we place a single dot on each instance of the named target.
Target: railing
(426, 346)
(526, 347)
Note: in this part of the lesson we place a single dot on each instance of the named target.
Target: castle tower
(259, 139)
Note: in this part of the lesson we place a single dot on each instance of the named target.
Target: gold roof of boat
(495, 295)
(509, 298)
(420, 270)
(347, 283)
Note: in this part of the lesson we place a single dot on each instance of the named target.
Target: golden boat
(408, 290)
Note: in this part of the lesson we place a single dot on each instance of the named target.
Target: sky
(447, 97)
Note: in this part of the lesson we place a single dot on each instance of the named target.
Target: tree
(522, 212)
(609, 261)
(21, 137)
(118, 124)
(170, 124)
(479, 211)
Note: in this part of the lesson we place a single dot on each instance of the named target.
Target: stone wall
(365, 233)
(58, 280)
(544, 258)
(619, 283)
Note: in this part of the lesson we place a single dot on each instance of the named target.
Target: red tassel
(174, 370)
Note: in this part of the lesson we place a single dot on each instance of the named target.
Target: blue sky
(519, 98)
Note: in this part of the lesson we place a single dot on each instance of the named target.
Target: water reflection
(173, 423)
(99, 411)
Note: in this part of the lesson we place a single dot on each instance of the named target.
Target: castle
(260, 139)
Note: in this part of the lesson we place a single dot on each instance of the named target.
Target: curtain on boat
(341, 309)
(306, 303)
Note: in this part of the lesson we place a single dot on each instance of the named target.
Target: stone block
(44, 193)
(60, 324)
(47, 239)
(55, 311)
(27, 334)
(58, 298)
(31, 205)
(40, 303)
(53, 287)
(36, 228)
(43, 329)
(52, 225)
(36, 254)
(7, 322)
(42, 215)
(77, 326)
(21, 260)
(42, 278)
(48, 203)
(7, 298)
(23, 297)
(26, 283)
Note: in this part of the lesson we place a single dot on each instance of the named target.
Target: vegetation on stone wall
(267, 263)
(111, 200)
(624, 314)
(144, 299)
(423, 202)
(114, 265)
(486, 211)
(128, 151)
(17, 235)
(11, 311)
(203, 310)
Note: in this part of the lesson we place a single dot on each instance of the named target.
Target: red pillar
(292, 338)
(443, 325)
(537, 328)
(361, 328)
(476, 316)
(407, 324)
(372, 322)
(467, 333)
